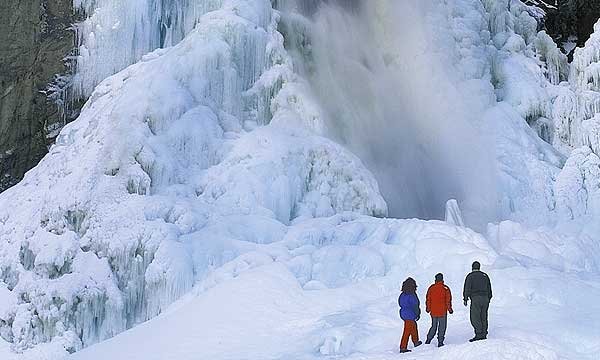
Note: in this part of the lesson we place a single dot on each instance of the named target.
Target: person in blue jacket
(410, 312)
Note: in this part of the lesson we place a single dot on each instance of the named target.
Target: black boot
(440, 344)
(419, 344)
(428, 341)
(404, 351)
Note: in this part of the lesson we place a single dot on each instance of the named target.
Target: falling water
(389, 95)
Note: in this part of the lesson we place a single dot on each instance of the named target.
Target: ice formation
(578, 102)
(453, 213)
(159, 153)
(116, 34)
(202, 158)
(577, 187)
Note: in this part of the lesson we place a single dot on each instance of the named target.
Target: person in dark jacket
(410, 312)
(478, 288)
(438, 303)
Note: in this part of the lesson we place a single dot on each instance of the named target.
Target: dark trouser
(438, 324)
(479, 315)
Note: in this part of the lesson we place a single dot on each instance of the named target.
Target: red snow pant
(410, 330)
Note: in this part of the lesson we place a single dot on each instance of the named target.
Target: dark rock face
(35, 38)
(571, 18)
(587, 15)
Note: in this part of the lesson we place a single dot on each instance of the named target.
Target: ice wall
(578, 103)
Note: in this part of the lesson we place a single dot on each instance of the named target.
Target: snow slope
(197, 203)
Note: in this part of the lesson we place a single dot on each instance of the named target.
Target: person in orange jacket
(438, 304)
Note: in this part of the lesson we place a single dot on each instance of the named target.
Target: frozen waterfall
(218, 145)
(370, 65)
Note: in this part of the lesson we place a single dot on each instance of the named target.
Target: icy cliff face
(577, 123)
(578, 102)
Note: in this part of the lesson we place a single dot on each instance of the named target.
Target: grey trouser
(438, 324)
(479, 315)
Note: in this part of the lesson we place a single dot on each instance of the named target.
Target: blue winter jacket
(409, 306)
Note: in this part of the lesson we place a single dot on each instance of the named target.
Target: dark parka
(477, 283)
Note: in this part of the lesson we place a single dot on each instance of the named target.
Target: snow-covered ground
(330, 286)
(201, 207)
(256, 307)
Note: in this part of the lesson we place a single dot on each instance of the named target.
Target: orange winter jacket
(439, 299)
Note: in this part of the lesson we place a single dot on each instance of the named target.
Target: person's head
(476, 265)
(439, 277)
(409, 286)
